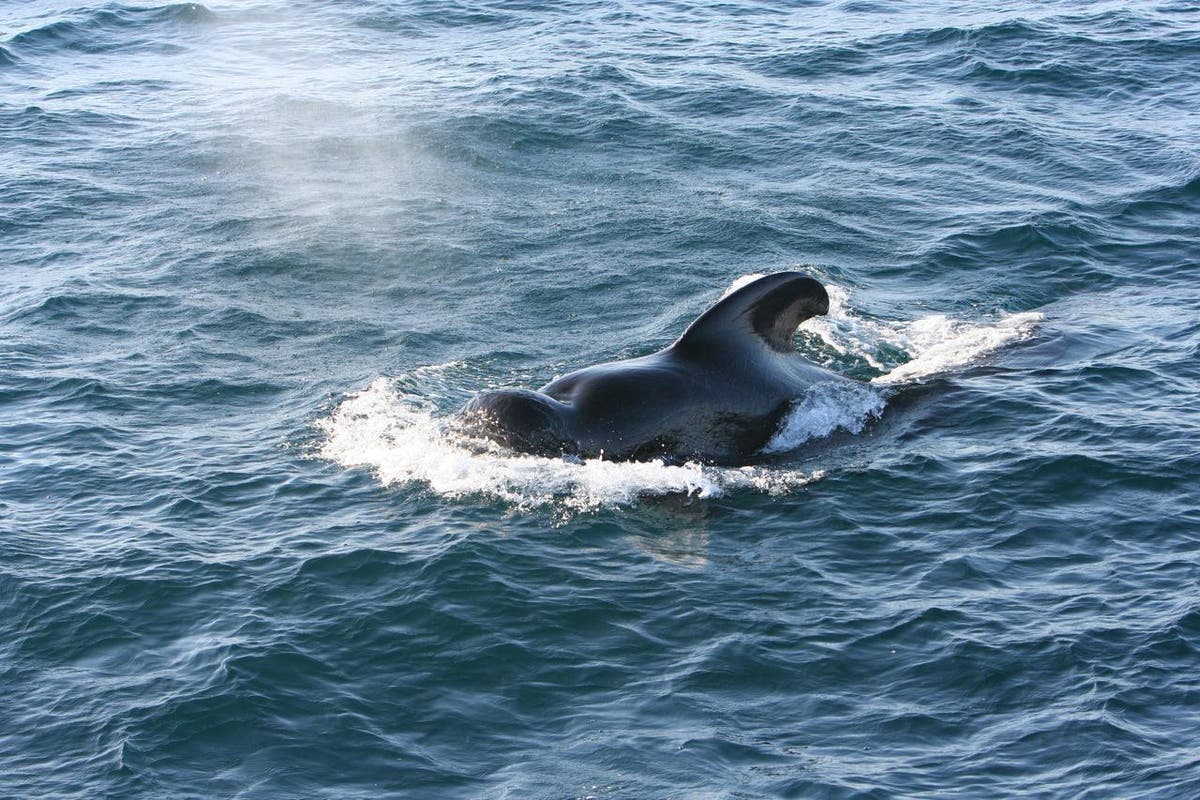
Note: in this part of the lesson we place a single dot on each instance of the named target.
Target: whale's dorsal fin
(769, 308)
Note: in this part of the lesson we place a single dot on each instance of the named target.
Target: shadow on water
(673, 529)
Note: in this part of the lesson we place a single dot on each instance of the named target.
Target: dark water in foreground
(253, 254)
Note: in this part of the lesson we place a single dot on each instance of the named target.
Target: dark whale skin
(715, 396)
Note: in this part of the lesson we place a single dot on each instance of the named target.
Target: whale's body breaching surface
(404, 428)
(716, 396)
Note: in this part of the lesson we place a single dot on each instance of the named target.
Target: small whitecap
(742, 281)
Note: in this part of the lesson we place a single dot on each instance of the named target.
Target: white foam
(908, 350)
(904, 351)
(402, 440)
(939, 344)
(740, 282)
(395, 429)
(824, 408)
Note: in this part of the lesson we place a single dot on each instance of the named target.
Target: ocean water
(254, 254)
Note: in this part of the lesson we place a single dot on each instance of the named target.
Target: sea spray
(905, 351)
(399, 428)
(402, 440)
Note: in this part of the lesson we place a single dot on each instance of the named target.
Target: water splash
(906, 351)
(939, 344)
(397, 429)
(825, 408)
(901, 351)
(401, 438)
(742, 281)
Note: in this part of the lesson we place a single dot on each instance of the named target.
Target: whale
(716, 395)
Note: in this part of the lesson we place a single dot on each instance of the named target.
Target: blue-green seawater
(252, 255)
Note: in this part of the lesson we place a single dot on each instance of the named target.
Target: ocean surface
(254, 255)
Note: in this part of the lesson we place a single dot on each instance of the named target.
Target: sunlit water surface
(256, 254)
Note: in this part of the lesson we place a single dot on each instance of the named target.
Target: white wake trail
(903, 351)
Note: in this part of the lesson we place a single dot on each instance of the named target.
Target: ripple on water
(236, 561)
(114, 28)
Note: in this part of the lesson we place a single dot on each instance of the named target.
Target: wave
(1055, 54)
(109, 29)
(398, 429)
